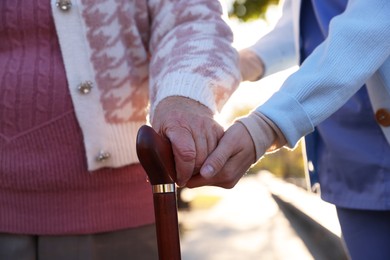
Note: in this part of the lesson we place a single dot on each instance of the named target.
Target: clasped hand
(203, 153)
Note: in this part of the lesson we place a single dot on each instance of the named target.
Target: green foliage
(247, 10)
(284, 163)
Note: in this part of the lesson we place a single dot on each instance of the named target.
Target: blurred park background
(250, 19)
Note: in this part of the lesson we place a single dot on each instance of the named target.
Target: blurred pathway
(244, 224)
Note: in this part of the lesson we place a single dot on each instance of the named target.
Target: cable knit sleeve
(191, 52)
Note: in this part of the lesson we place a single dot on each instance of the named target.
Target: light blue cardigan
(355, 52)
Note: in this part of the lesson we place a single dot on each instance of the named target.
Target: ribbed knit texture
(266, 136)
(32, 79)
(44, 184)
(356, 47)
(136, 53)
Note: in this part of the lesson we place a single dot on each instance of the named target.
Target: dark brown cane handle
(155, 154)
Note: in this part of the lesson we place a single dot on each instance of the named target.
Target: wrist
(251, 66)
(265, 135)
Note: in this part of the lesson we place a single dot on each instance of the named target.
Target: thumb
(217, 159)
(184, 153)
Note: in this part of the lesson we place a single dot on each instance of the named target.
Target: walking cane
(155, 155)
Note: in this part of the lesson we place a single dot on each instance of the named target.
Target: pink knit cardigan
(60, 114)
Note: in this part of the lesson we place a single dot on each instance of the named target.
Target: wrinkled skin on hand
(231, 159)
(192, 131)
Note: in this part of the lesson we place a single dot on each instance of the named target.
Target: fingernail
(180, 183)
(207, 171)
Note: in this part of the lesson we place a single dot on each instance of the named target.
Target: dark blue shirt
(348, 151)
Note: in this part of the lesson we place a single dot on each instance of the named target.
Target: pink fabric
(115, 70)
(156, 51)
(44, 185)
(33, 87)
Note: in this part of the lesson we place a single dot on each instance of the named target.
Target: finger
(213, 138)
(217, 159)
(227, 177)
(183, 147)
(206, 143)
(199, 181)
(201, 151)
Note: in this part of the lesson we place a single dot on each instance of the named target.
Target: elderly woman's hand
(192, 130)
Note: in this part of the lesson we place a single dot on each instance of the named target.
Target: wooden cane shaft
(167, 226)
(155, 155)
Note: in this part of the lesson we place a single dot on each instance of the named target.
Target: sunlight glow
(251, 94)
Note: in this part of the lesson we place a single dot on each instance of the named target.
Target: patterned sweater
(65, 116)
(124, 47)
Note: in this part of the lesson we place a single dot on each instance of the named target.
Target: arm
(274, 51)
(356, 47)
(193, 71)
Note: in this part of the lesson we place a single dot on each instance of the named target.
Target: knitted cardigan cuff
(266, 136)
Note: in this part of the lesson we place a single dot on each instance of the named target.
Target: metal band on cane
(164, 188)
